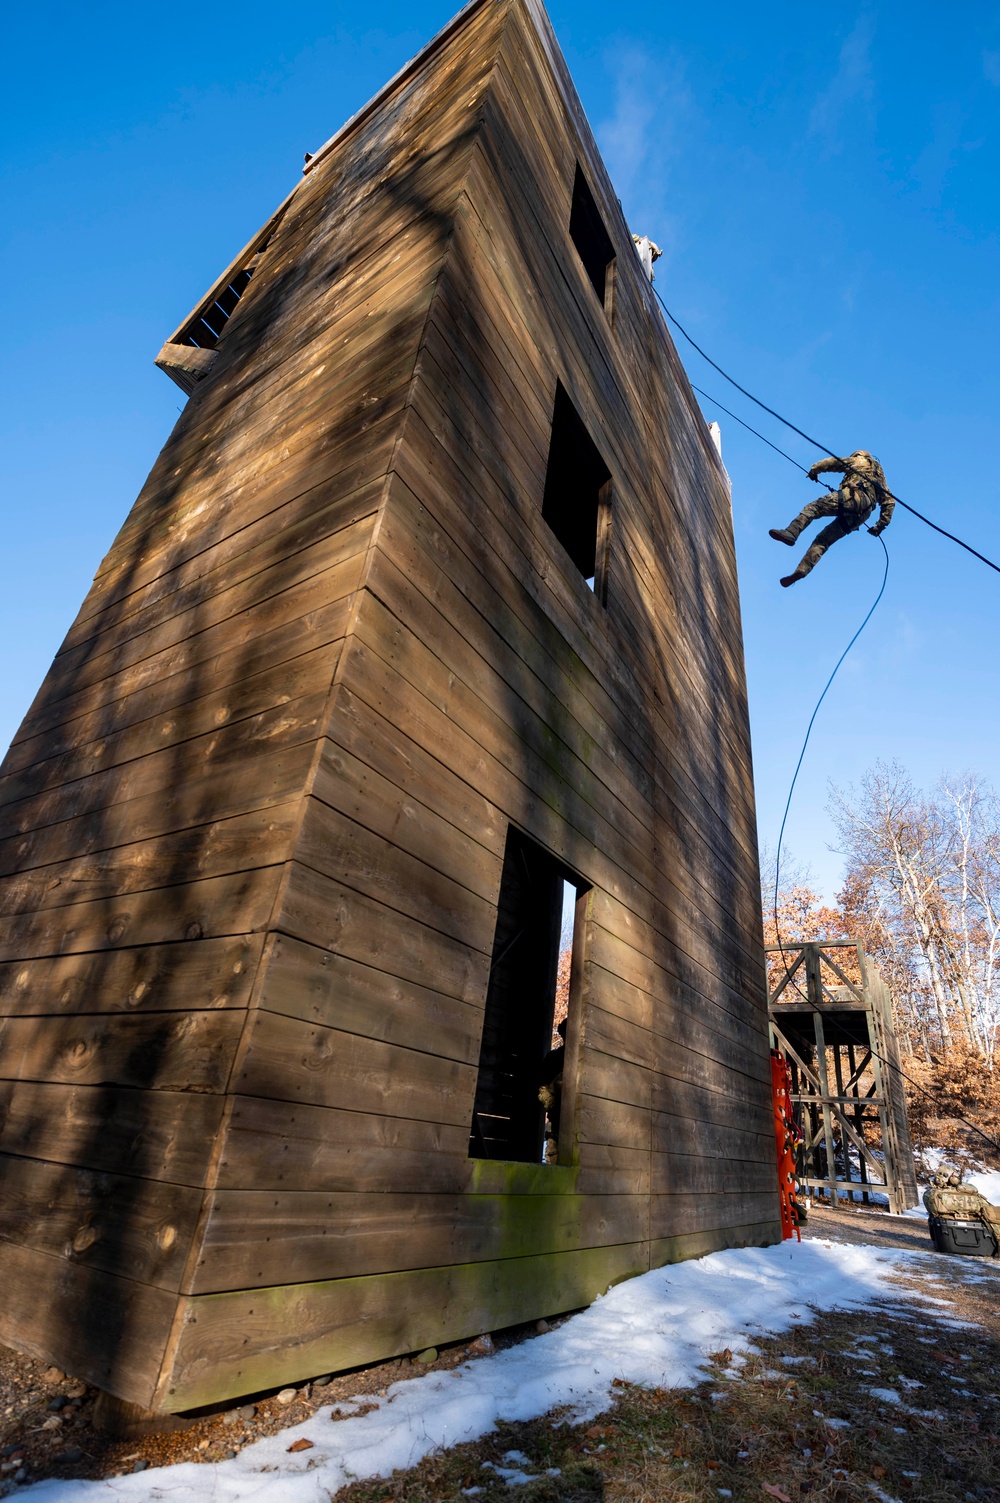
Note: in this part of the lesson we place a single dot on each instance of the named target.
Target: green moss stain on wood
(248, 1341)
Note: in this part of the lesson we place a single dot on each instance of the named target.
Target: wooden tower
(420, 647)
(832, 1019)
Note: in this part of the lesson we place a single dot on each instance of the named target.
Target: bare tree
(922, 891)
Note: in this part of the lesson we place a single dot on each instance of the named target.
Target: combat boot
(782, 535)
(791, 578)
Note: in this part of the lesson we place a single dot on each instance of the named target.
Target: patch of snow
(883, 1497)
(655, 1330)
(512, 1475)
(987, 1182)
(885, 1395)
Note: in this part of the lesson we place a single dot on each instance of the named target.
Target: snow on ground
(987, 1182)
(655, 1329)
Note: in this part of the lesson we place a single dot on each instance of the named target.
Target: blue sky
(822, 180)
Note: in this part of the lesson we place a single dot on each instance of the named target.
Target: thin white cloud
(638, 139)
(852, 84)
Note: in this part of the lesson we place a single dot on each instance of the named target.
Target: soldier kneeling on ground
(948, 1199)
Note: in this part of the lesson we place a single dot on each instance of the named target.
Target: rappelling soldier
(862, 489)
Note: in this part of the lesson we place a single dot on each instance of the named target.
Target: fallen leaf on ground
(776, 1492)
(301, 1444)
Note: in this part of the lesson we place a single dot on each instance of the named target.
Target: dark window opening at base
(577, 499)
(519, 1089)
(592, 241)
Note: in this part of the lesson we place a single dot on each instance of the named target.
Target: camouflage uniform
(864, 487)
(949, 1199)
(550, 1094)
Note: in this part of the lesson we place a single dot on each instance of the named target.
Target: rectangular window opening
(189, 355)
(517, 1114)
(592, 241)
(577, 499)
(207, 326)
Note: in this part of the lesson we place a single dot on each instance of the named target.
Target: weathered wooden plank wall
(153, 795)
(253, 825)
(486, 684)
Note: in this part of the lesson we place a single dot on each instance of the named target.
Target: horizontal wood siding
(483, 684)
(244, 1341)
(112, 1329)
(154, 795)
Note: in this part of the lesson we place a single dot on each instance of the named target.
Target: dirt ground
(886, 1403)
(879, 1229)
(47, 1418)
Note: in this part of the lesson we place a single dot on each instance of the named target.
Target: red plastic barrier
(787, 1136)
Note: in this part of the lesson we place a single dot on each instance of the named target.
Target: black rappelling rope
(777, 860)
(716, 403)
(890, 1064)
(805, 743)
(809, 440)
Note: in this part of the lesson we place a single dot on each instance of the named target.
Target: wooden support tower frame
(831, 1017)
